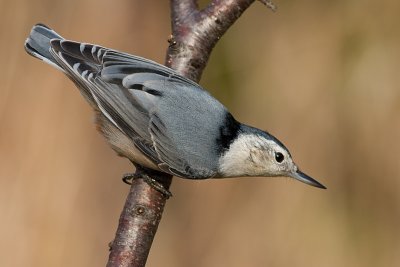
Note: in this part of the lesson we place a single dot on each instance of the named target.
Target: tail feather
(74, 59)
(38, 44)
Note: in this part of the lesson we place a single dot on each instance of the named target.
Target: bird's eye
(279, 157)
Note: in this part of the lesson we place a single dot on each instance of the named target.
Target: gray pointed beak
(302, 177)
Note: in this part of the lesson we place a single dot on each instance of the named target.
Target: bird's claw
(128, 177)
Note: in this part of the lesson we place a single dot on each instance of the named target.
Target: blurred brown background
(323, 76)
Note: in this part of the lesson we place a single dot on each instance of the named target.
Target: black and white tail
(38, 44)
(76, 60)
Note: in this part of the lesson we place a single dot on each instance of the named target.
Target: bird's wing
(170, 119)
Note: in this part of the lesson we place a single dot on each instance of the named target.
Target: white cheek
(242, 159)
(233, 162)
(259, 156)
(263, 164)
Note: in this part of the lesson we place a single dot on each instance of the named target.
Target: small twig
(269, 4)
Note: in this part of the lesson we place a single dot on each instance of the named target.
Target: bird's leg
(128, 177)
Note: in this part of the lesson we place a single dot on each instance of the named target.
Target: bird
(160, 120)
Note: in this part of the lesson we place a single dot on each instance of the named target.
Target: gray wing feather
(170, 118)
(184, 126)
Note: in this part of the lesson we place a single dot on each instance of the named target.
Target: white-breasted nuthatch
(159, 119)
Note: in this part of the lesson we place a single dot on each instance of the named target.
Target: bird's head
(257, 153)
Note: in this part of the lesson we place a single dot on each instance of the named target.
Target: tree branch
(139, 221)
(194, 34)
(180, 10)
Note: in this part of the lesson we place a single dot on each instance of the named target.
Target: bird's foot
(128, 177)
